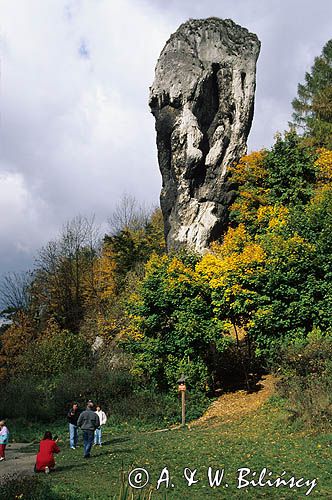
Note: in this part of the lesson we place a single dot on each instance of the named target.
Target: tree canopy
(313, 104)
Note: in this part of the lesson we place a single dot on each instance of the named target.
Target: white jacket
(102, 417)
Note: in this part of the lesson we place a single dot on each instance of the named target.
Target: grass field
(263, 439)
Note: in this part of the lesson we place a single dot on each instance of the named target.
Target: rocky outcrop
(202, 99)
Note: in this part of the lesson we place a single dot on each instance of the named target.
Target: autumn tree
(54, 352)
(65, 273)
(250, 178)
(119, 267)
(15, 340)
(270, 181)
(134, 243)
(128, 214)
(172, 328)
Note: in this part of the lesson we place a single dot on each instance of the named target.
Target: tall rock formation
(202, 99)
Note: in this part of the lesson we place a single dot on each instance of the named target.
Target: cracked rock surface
(202, 99)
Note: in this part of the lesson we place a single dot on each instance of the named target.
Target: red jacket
(45, 454)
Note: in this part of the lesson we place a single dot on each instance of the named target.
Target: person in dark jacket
(88, 421)
(72, 418)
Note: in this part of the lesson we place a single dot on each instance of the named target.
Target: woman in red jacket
(45, 460)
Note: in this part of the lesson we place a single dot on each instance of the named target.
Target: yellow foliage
(51, 329)
(250, 175)
(250, 169)
(248, 202)
(274, 216)
(15, 341)
(324, 165)
(132, 331)
(107, 327)
(154, 263)
(179, 273)
(105, 269)
(238, 254)
(234, 241)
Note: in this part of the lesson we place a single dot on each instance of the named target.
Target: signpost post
(182, 389)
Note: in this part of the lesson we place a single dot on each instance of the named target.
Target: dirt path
(234, 405)
(17, 462)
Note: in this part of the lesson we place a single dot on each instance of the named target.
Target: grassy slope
(261, 439)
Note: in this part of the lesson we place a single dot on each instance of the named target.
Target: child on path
(4, 436)
(103, 419)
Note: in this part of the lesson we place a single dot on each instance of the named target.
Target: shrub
(100, 384)
(27, 397)
(28, 488)
(46, 399)
(307, 381)
(148, 408)
(56, 351)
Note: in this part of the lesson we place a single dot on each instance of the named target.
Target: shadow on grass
(120, 439)
(65, 468)
(115, 451)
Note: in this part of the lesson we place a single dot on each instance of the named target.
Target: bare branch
(129, 214)
(15, 290)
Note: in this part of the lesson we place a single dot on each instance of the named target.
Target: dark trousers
(87, 442)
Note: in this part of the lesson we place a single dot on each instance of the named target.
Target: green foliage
(26, 397)
(269, 281)
(284, 307)
(99, 384)
(132, 246)
(33, 399)
(312, 107)
(32, 430)
(307, 379)
(272, 181)
(175, 324)
(291, 171)
(290, 292)
(48, 396)
(150, 409)
(55, 353)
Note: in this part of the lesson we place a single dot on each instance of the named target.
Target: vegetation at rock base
(121, 304)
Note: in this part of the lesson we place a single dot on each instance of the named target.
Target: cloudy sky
(75, 128)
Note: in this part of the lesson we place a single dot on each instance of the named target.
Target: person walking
(88, 421)
(72, 418)
(45, 456)
(4, 437)
(102, 419)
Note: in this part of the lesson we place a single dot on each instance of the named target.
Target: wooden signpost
(182, 389)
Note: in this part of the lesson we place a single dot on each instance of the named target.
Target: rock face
(202, 99)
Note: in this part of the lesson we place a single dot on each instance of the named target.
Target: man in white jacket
(103, 419)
